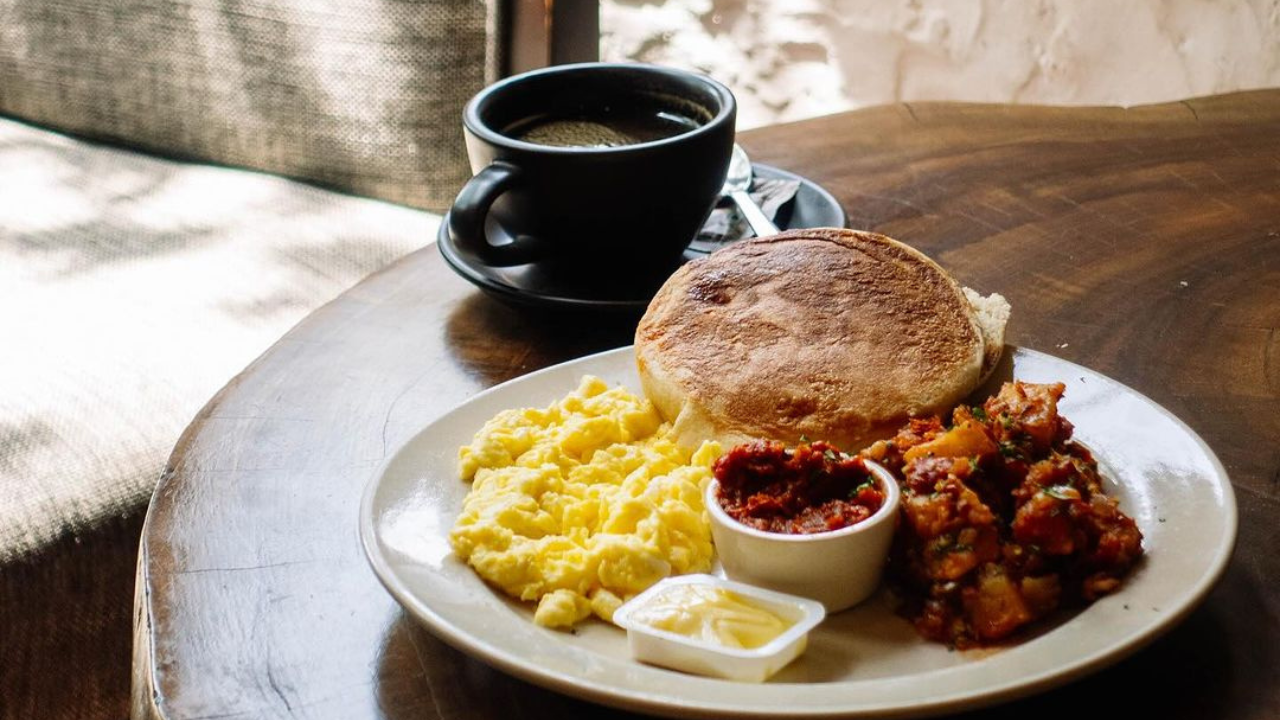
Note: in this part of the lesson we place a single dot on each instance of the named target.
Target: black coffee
(607, 127)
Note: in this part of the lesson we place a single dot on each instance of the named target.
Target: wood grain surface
(1144, 243)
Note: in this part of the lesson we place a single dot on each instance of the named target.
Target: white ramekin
(839, 568)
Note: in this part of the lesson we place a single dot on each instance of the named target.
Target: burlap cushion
(131, 290)
(361, 95)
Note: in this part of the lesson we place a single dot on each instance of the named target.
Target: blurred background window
(792, 59)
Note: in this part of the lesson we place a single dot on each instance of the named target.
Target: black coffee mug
(593, 161)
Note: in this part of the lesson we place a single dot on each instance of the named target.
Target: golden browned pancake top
(830, 334)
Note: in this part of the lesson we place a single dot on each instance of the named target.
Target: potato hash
(1004, 518)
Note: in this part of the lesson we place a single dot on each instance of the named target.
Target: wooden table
(1144, 243)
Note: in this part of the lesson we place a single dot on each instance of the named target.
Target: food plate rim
(509, 660)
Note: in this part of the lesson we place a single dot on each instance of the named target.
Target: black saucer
(545, 285)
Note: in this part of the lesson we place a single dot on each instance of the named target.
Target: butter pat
(712, 614)
(707, 625)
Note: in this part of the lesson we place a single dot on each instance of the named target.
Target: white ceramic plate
(862, 662)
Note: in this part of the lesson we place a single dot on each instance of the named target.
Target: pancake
(818, 334)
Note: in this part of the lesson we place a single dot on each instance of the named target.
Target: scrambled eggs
(582, 505)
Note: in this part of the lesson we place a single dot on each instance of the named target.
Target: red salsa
(812, 488)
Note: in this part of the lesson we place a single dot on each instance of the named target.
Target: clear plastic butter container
(707, 625)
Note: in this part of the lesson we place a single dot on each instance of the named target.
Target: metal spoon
(736, 184)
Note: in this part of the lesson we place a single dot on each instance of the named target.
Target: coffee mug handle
(467, 216)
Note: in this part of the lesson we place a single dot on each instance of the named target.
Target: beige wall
(790, 59)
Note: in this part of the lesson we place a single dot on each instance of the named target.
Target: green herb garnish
(1061, 492)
